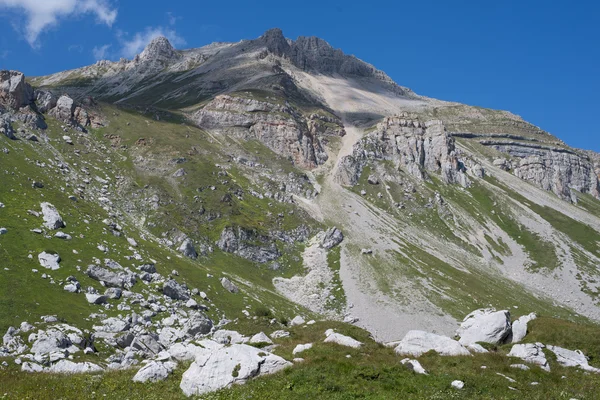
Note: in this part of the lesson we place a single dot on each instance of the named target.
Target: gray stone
(187, 249)
(331, 238)
(52, 219)
(197, 324)
(175, 291)
(415, 343)
(530, 353)
(248, 244)
(96, 298)
(154, 372)
(229, 286)
(485, 325)
(49, 261)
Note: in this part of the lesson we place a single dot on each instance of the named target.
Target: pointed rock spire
(275, 41)
(159, 49)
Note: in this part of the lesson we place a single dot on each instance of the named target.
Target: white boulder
(519, 327)
(342, 340)
(458, 384)
(415, 343)
(485, 325)
(532, 353)
(154, 371)
(49, 261)
(415, 366)
(223, 366)
(52, 219)
(260, 338)
(301, 347)
(69, 367)
(298, 320)
(572, 358)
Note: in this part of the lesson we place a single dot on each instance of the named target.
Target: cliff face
(280, 127)
(556, 169)
(417, 147)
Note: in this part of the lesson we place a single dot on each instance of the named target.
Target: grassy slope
(24, 295)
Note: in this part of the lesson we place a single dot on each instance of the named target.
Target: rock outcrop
(552, 168)
(248, 244)
(417, 147)
(278, 126)
(15, 92)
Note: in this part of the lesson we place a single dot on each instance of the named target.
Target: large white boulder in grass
(485, 325)
(519, 327)
(52, 219)
(416, 343)
(49, 261)
(572, 358)
(224, 336)
(532, 353)
(301, 347)
(69, 367)
(154, 371)
(222, 366)
(342, 340)
(184, 352)
(414, 365)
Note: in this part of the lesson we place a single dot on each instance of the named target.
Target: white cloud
(172, 18)
(132, 45)
(101, 53)
(42, 14)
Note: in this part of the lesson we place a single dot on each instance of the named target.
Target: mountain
(148, 202)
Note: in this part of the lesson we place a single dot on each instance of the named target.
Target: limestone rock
(457, 384)
(415, 366)
(93, 298)
(530, 353)
(280, 127)
(65, 107)
(197, 324)
(415, 343)
(570, 358)
(301, 347)
(110, 279)
(224, 366)
(342, 340)
(175, 291)
(49, 261)
(248, 244)
(519, 327)
(52, 219)
(260, 338)
(154, 371)
(15, 92)
(45, 100)
(223, 336)
(229, 286)
(69, 367)
(331, 238)
(485, 325)
(187, 249)
(417, 147)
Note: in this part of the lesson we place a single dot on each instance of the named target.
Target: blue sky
(538, 59)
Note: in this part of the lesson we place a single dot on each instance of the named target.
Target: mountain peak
(275, 41)
(158, 49)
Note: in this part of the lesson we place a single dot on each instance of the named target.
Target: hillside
(173, 206)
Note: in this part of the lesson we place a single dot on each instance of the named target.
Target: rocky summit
(279, 214)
